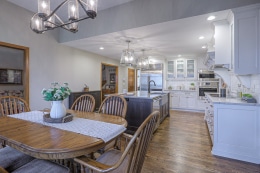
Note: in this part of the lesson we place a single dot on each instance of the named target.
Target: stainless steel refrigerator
(155, 73)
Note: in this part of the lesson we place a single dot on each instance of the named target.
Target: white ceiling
(164, 40)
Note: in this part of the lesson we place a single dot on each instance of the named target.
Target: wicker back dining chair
(84, 103)
(128, 161)
(12, 105)
(114, 105)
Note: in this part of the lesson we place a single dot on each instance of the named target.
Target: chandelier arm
(79, 1)
(64, 24)
(56, 9)
(52, 24)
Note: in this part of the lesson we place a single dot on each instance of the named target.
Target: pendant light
(143, 62)
(45, 19)
(128, 57)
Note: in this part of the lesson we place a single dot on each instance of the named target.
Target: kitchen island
(234, 127)
(140, 104)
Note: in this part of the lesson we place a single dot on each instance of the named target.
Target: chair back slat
(131, 158)
(142, 138)
(137, 147)
(12, 105)
(84, 103)
(114, 105)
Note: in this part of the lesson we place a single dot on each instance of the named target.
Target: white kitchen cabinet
(246, 40)
(188, 100)
(183, 99)
(175, 100)
(190, 68)
(222, 42)
(170, 70)
(200, 104)
(236, 132)
(181, 69)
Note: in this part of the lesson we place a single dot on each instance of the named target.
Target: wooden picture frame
(11, 76)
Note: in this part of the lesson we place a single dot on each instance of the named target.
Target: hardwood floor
(182, 145)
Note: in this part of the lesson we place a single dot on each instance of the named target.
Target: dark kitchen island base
(141, 105)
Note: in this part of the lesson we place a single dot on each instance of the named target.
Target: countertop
(184, 90)
(143, 94)
(229, 100)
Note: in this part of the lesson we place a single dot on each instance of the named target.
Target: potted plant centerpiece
(57, 94)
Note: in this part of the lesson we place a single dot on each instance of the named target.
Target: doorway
(109, 79)
(131, 79)
(14, 70)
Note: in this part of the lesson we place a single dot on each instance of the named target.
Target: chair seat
(42, 166)
(11, 159)
(111, 157)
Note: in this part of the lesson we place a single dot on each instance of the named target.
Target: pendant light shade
(143, 62)
(128, 57)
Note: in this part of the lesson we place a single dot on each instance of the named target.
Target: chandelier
(128, 57)
(143, 62)
(46, 19)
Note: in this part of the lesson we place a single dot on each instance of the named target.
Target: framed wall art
(11, 76)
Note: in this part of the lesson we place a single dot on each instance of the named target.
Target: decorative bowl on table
(67, 118)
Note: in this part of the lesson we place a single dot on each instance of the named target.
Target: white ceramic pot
(58, 109)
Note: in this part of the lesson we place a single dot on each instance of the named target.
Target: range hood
(220, 66)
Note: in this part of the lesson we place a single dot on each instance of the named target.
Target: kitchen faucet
(149, 85)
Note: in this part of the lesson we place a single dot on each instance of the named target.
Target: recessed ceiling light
(101, 48)
(201, 37)
(203, 47)
(211, 17)
(179, 55)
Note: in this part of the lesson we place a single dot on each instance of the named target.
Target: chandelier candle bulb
(73, 10)
(43, 8)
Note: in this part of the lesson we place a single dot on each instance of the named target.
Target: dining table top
(46, 142)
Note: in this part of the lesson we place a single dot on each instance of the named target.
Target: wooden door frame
(26, 66)
(134, 78)
(116, 86)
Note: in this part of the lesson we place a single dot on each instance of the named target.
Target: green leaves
(56, 92)
(247, 95)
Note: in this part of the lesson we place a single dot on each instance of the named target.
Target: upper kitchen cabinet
(170, 71)
(190, 66)
(246, 40)
(222, 42)
(181, 69)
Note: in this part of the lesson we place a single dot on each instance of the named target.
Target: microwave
(205, 74)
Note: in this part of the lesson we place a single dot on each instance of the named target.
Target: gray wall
(140, 13)
(50, 61)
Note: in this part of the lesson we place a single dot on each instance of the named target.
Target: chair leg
(3, 144)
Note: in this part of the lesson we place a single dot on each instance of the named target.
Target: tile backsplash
(180, 84)
(255, 86)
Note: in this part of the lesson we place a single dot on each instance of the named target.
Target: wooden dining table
(45, 142)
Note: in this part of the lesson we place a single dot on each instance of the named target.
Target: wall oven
(209, 85)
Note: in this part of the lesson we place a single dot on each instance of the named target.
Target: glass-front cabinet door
(190, 69)
(170, 72)
(180, 69)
